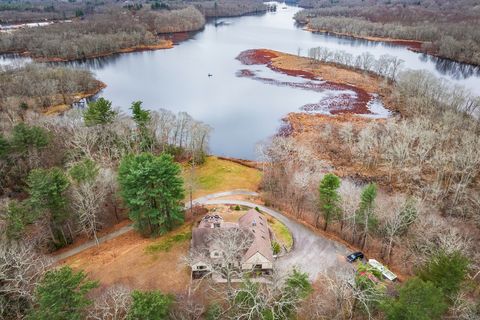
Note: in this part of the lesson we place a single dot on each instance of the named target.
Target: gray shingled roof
(258, 224)
(252, 221)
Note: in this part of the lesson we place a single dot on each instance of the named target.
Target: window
(257, 267)
(201, 267)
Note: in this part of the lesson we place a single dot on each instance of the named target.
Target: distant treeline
(21, 11)
(100, 33)
(449, 31)
(230, 8)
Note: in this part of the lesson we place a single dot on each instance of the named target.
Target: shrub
(276, 247)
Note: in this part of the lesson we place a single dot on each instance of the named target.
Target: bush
(237, 208)
(213, 312)
(276, 248)
(151, 305)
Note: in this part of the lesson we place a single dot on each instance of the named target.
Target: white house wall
(257, 258)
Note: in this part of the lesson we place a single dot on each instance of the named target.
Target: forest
(59, 182)
(111, 28)
(447, 29)
(229, 8)
(34, 88)
(404, 190)
(101, 34)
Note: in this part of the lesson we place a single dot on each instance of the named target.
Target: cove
(241, 110)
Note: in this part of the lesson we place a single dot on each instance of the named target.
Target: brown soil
(336, 78)
(59, 108)
(123, 260)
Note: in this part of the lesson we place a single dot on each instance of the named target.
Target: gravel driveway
(311, 252)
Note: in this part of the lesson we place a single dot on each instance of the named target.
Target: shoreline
(59, 108)
(412, 45)
(164, 44)
(366, 86)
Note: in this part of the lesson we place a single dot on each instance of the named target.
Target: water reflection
(453, 69)
(241, 111)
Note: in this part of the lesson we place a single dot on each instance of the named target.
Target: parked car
(354, 256)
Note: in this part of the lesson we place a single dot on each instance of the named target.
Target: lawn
(217, 175)
(169, 240)
(282, 234)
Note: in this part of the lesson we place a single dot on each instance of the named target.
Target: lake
(240, 110)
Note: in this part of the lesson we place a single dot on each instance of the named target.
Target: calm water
(242, 111)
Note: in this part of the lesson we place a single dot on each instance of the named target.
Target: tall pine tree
(153, 190)
(366, 217)
(329, 198)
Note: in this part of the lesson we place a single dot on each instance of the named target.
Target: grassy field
(282, 234)
(217, 175)
(169, 240)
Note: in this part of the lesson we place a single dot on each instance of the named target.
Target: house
(260, 255)
(209, 243)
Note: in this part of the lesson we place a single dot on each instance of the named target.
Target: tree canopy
(417, 300)
(329, 197)
(47, 191)
(62, 295)
(151, 305)
(260, 301)
(25, 137)
(446, 271)
(99, 112)
(4, 146)
(84, 171)
(142, 118)
(366, 212)
(153, 190)
(17, 216)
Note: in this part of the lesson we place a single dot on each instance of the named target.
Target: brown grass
(217, 175)
(125, 260)
(328, 72)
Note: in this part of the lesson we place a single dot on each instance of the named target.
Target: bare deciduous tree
(87, 201)
(21, 268)
(112, 304)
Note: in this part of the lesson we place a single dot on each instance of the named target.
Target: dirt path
(125, 229)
